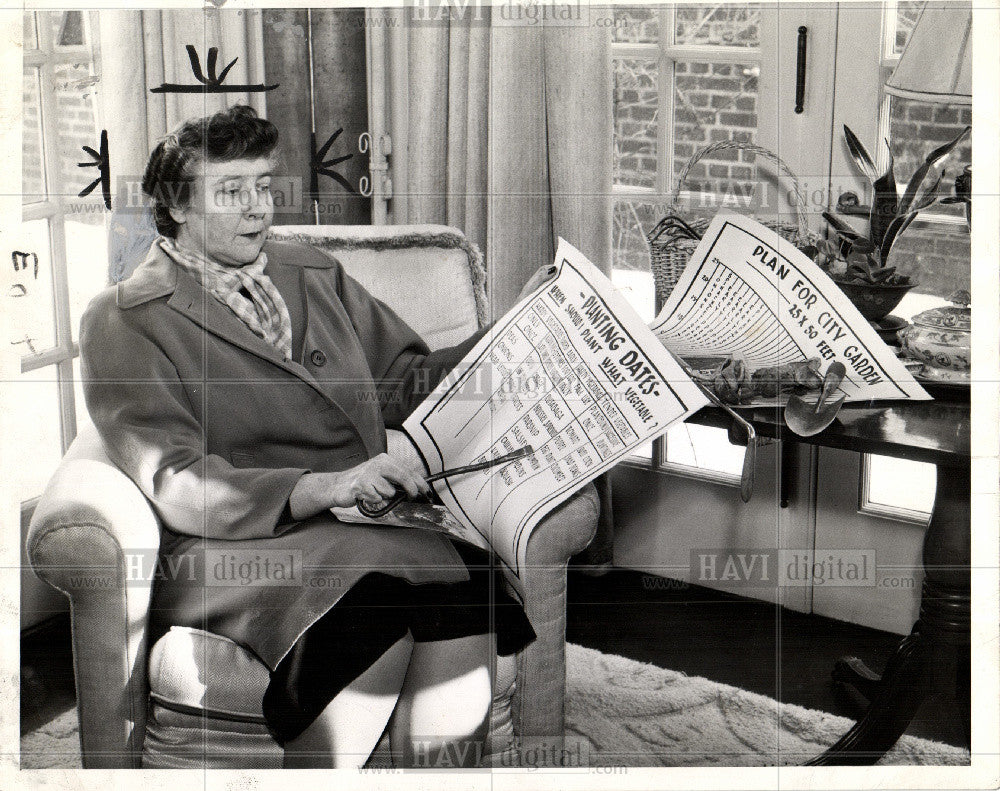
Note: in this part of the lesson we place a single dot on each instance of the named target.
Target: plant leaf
(928, 196)
(861, 156)
(840, 226)
(884, 204)
(896, 227)
(921, 172)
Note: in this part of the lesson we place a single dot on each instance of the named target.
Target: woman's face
(229, 211)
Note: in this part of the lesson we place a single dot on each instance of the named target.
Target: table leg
(940, 636)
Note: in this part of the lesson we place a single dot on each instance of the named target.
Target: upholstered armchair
(194, 698)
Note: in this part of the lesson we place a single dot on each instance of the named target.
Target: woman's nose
(258, 204)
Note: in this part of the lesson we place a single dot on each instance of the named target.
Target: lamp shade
(936, 65)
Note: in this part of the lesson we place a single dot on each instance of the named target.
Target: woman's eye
(264, 187)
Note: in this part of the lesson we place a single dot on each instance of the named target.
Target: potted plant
(859, 263)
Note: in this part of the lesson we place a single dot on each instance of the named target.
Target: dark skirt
(374, 614)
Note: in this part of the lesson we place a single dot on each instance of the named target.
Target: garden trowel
(805, 418)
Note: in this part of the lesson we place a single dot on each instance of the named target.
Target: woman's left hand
(539, 276)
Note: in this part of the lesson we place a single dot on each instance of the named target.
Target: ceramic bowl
(874, 302)
(941, 339)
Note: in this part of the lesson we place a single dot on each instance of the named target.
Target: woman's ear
(178, 215)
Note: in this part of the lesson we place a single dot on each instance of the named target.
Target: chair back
(428, 274)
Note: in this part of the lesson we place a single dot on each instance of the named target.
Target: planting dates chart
(571, 371)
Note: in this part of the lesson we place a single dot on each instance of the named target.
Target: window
(935, 249)
(685, 77)
(59, 258)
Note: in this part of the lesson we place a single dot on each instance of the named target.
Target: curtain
(507, 133)
(140, 51)
(508, 136)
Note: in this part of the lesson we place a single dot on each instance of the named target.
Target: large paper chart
(572, 371)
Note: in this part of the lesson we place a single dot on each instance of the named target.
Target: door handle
(800, 70)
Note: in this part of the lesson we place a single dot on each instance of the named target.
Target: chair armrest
(539, 696)
(89, 533)
(539, 693)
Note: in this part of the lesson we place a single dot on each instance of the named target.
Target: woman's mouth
(255, 236)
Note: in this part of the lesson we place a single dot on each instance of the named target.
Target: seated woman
(245, 386)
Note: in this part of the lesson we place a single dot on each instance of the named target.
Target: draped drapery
(505, 132)
(135, 118)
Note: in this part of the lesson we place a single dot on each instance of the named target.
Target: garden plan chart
(748, 293)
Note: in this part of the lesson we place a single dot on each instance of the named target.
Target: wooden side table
(937, 432)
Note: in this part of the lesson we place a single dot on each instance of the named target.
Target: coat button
(317, 358)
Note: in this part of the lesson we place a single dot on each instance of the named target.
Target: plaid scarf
(265, 313)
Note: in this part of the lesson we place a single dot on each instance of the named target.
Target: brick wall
(712, 102)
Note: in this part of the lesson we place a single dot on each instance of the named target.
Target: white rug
(625, 713)
(629, 713)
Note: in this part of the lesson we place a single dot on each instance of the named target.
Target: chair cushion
(196, 671)
(205, 705)
(205, 709)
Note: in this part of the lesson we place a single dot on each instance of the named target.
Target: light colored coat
(216, 429)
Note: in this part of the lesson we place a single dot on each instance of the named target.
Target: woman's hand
(371, 481)
(539, 276)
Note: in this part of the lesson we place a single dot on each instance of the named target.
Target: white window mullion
(667, 89)
(64, 350)
(67, 403)
(665, 148)
(713, 53)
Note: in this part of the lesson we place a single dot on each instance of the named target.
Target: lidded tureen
(941, 338)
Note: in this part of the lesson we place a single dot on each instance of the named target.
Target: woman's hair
(236, 133)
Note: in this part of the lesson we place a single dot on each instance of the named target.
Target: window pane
(705, 448)
(901, 483)
(30, 31)
(76, 127)
(86, 262)
(917, 128)
(29, 301)
(716, 102)
(936, 255)
(630, 271)
(635, 108)
(907, 12)
(68, 28)
(636, 24)
(32, 154)
(35, 447)
(722, 24)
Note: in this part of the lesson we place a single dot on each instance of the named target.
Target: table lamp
(936, 67)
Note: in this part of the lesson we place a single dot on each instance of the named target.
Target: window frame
(666, 53)
(54, 208)
(888, 60)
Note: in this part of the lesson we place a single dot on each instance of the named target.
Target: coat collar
(158, 276)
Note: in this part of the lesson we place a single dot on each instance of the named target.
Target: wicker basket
(673, 240)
